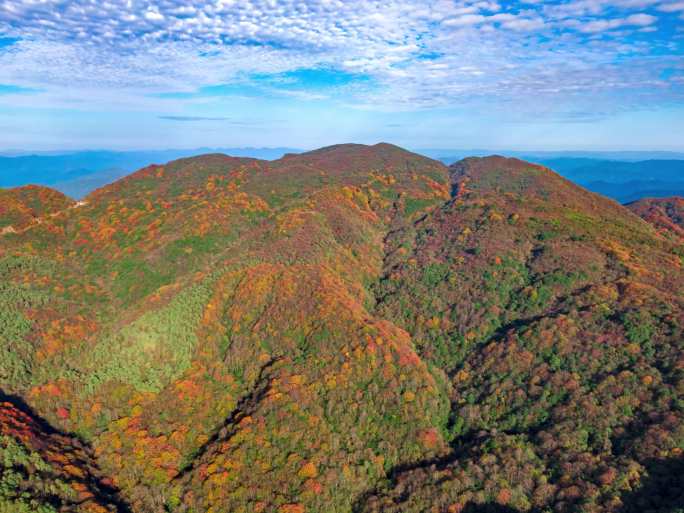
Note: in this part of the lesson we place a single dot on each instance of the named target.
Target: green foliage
(639, 326)
(150, 352)
(15, 350)
(413, 205)
(524, 328)
(27, 482)
(193, 244)
(136, 279)
(434, 274)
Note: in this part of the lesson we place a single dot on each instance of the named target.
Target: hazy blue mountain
(82, 185)
(623, 181)
(450, 156)
(632, 191)
(586, 170)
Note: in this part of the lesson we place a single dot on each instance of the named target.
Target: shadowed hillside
(46, 471)
(353, 328)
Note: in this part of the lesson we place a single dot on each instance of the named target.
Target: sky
(527, 74)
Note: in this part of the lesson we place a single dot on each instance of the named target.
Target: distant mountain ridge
(266, 152)
(450, 156)
(587, 170)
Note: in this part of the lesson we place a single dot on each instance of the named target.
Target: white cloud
(152, 15)
(671, 7)
(634, 20)
(465, 20)
(640, 20)
(416, 53)
(524, 24)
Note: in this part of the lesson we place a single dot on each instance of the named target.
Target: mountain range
(351, 329)
(80, 172)
(623, 176)
(623, 181)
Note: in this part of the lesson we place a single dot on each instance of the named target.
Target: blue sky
(134, 74)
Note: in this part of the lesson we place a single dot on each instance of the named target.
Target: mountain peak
(355, 149)
(21, 206)
(507, 171)
(529, 181)
(345, 158)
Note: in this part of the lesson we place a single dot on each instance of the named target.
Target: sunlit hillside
(357, 328)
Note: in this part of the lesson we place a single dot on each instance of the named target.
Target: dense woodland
(353, 329)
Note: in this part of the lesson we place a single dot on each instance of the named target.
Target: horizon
(621, 175)
(570, 75)
(26, 152)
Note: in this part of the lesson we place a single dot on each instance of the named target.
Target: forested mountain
(356, 328)
(79, 173)
(624, 176)
(21, 206)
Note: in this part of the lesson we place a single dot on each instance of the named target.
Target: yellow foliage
(462, 375)
(616, 250)
(291, 508)
(74, 471)
(633, 348)
(309, 470)
(434, 322)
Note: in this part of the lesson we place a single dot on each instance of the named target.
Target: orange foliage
(308, 470)
(430, 438)
(291, 508)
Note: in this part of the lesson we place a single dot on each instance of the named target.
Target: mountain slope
(666, 214)
(46, 471)
(557, 316)
(21, 206)
(201, 282)
(354, 328)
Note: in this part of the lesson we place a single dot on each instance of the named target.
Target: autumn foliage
(357, 328)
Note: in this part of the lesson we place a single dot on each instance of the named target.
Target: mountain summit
(357, 328)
